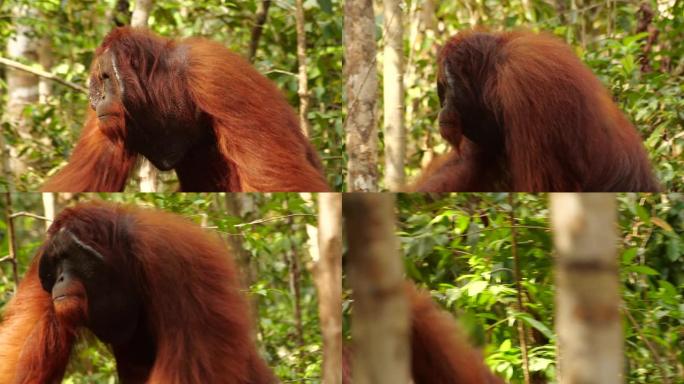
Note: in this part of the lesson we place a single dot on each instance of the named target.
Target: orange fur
(36, 340)
(439, 353)
(256, 143)
(560, 129)
(98, 163)
(197, 317)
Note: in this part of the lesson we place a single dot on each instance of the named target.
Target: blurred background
(489, 260)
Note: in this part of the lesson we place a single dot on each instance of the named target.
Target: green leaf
(661, 223)
(476, 287)
(539, 326)
(674, 251)
(326, 5)
(462, 222)
(643, 214)
(629, 254)
(642, 269)
(538, 364)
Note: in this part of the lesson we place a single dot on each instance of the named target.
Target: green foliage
(271, 229)
(74, 29)
(459, 246)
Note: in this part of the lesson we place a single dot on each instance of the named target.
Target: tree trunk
(303, 91)
(240, 205)
(393, 93)
(258, 29)
(327, 275)
(517, 276)
(295, 287)
(380, 323)
(45, 58)
(141, 13)
(22, 87)
(587, 288)
(11, 239)
(48, 208)
(362, 91)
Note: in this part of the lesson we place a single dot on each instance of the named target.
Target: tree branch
(41, 73)
(29, 214)
(261, 16)
(260, 221)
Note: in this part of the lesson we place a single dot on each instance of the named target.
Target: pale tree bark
(327, 274)
(48, 208)
(11, 240)
(380, 322)
(45, 58)
(6, 182)
(22, 87)
(393, 94)
(362, 91)
(588, 324)
(141, 13)
(241, 205)
(147, 174)
(5, 170)
(303, 91)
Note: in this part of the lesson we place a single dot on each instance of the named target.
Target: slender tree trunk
(588, 320)
(303, 91)
(327, 274)
(11, 242)
(362, 92)
(22, 87)
(522, 334)
(45, 59)
(5, 170)
(257, 30)
(295, 288)
(380, 323)
(645, 24)
(147, 174)
(48, 208)
(393, 93)
(141, 13)
(236, 205)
